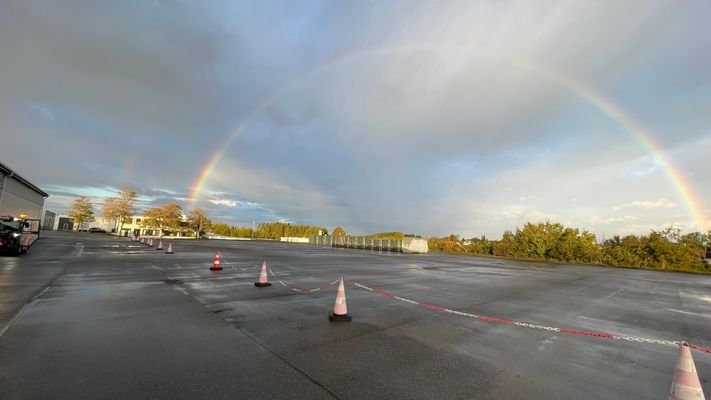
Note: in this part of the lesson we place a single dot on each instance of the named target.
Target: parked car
(96, 230)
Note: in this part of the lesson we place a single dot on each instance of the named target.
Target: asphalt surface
(89, 316)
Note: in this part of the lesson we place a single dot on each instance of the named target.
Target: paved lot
(90, 317)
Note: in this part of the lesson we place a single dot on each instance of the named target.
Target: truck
(17, 234)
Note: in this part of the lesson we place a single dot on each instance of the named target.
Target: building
(48, 222)
(65, 224)
(133, 226)
(18, 196)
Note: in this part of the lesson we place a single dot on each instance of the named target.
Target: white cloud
(612, 220)
(224, 202)
(647, 205)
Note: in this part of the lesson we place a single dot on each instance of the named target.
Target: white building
(133, 225)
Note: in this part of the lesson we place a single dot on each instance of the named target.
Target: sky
(427, 117)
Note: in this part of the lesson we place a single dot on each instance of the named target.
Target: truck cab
(12, 235)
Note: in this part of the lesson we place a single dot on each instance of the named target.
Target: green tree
(338, 231)
(82, 211)
(199, 221)
(504, 247)
(388, 235)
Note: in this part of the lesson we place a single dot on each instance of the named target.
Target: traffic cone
(686, 385)
(263, 279)
(160, 245)
(141, 241)
(216, 263)
(170, 249)
(340, 310)
(150, 242)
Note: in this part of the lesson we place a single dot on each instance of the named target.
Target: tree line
(269, 230)
(667, 249)
(169, 217)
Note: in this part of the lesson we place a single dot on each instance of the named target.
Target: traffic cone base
(335, 317)
(263, 278)
(340, 310)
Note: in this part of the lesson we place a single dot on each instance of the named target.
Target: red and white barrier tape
(295, 289)
(599, 335)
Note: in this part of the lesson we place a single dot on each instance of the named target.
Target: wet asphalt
(90, 316)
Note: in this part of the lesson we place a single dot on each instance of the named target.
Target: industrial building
(18, 196)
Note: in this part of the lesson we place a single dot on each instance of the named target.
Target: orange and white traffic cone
(150, 242)
(686, 385)
(216, 263)
(160, 245)
(263, 278)
(141, 241)
(170, 249)
(340, 310)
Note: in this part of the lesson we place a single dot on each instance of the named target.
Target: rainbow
(643, 136)
(591, 96)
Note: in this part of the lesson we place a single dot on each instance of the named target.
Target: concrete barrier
(414, 245)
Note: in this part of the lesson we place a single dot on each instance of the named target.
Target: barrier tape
(599, 335)
(298, 290)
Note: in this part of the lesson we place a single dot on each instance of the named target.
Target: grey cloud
(418, 116)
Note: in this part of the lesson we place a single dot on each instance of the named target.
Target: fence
(407, 245)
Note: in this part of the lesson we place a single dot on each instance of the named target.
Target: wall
(48, 222)
(16, 199)
(65, 223)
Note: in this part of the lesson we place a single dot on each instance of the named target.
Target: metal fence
(408, 245)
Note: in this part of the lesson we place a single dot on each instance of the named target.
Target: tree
(165, 216)
(221, 229)
(504, 247)
(118, 208)
(339, 232)
(82, 211)
(199, 221)
(108, 210)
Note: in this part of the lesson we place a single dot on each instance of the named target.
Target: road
(90, 316)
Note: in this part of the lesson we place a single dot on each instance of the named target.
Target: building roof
(9, 172)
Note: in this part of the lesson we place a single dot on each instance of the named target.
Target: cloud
(421, 117)
(647, 205)
(224, 202)
(611, 220)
